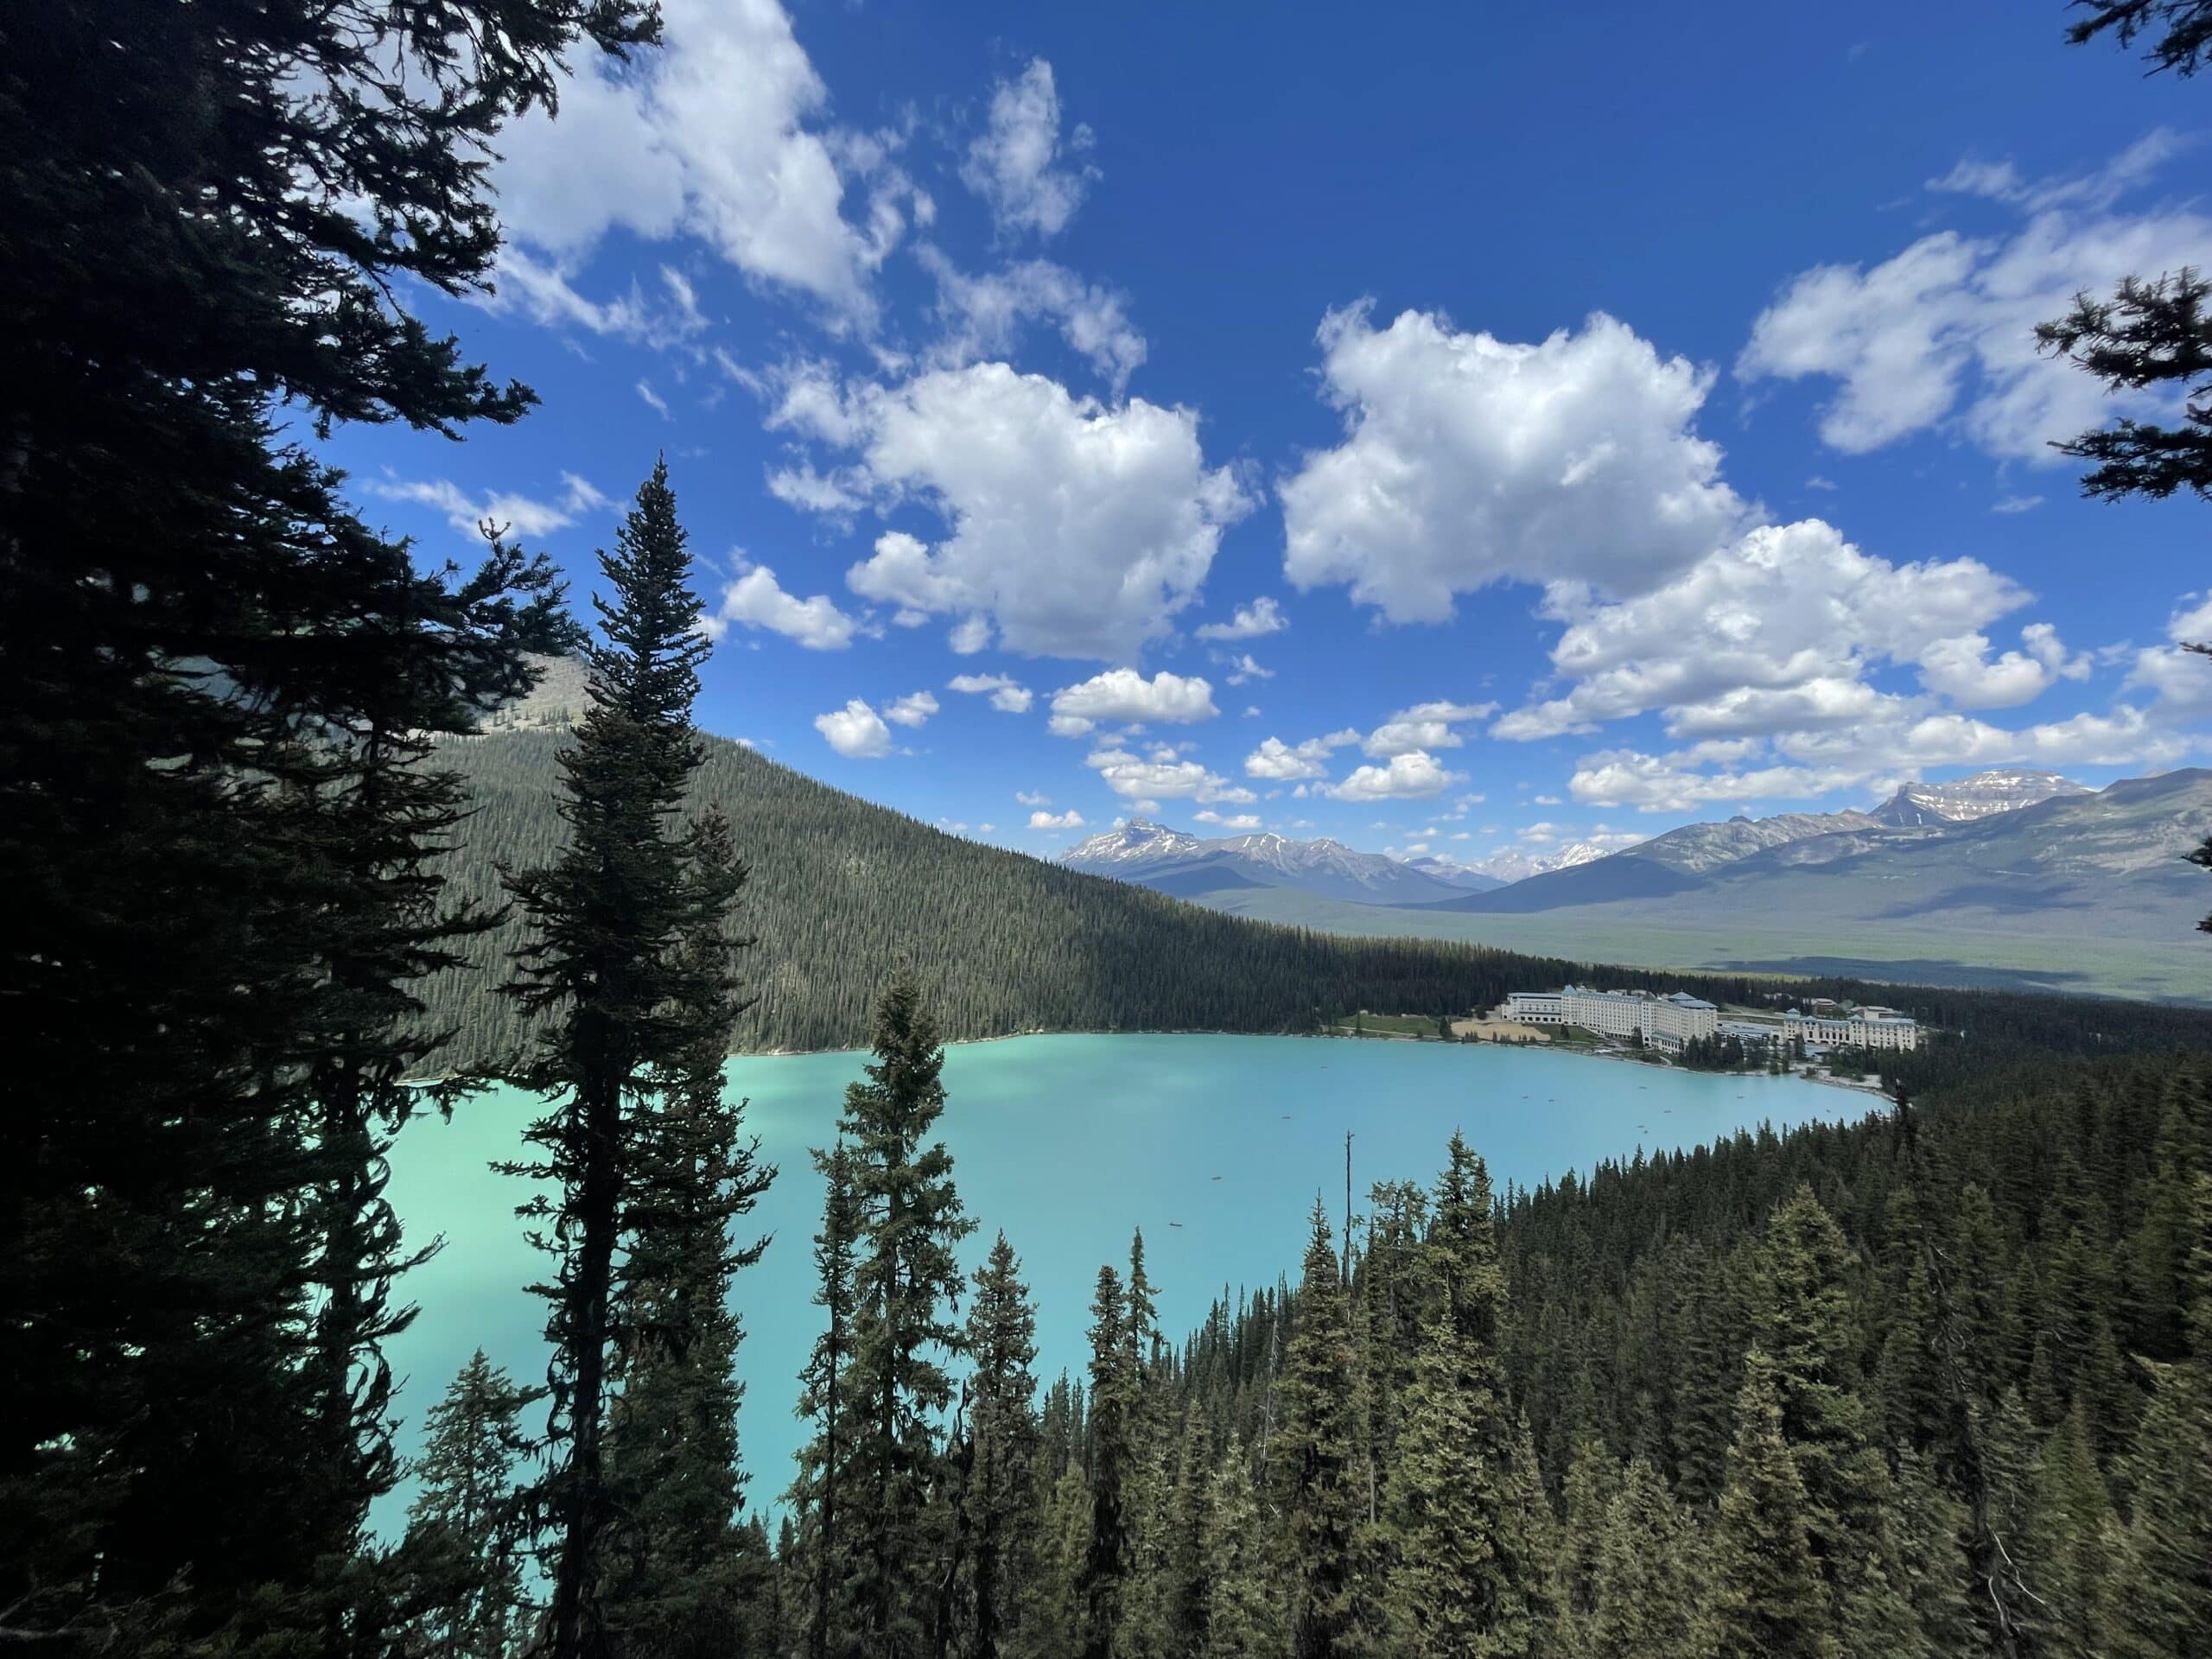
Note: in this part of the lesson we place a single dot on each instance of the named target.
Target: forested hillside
(844, 889)
(841, 888)
(1892, 1389)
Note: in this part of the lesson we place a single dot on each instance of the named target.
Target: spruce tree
(1055, 1624)
(1463, 1509)
(1187, 1584)
(465, 1526)
(1586, 1500)
(2179, 32)
(1315, 1454)
(2163, 1606)
(1113, 1402)
(1769, 1602)
(906, 1283)
(1390, 1292)
(1244, 1615)
(2154, 332)
(211, 255)
(605, 972)
(1650, 1592)
(370, 810)
(1148, 1490)
(823, 1481)
(1001, 1495)
(678, 1568)
(1806, 1321)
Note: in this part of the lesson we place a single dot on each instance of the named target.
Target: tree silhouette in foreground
(615, 970)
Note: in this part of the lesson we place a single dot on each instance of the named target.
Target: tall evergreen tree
(1769, 1602)
(1651, 1594)
(606, 971)
(214, 212)
(1390, 1289)
(1113, 1403)
(370, 811)
(1586, 1500)
(1315, 1453)
(906, 1285)
(678, 1565)
(465, 1526)
(2179, 31)
(1001, 1495)
(1187, 1586)
(1468, 1575)
(824, 1463)
(2163, 1606)
(1056, 1621)
(1244, 1617)
(2153, 332)
(1805, 1317)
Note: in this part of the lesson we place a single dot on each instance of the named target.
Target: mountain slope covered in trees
(1006, 942)
(841, 887)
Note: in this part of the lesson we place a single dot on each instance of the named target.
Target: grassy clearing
(2179, 970)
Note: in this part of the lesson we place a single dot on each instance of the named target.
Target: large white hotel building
(1861, 1027)
(1668, 1021)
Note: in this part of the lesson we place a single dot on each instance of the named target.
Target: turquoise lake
(1214, 1146)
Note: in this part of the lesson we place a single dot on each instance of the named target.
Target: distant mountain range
(2037, 880)
(2037, 820)
(1502, 868)
(1171, 861)
(1154, 855)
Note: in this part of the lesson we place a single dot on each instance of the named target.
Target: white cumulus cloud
(1777, 631)
(1076, 528)
(1162, 774)
(1468, 460)
(1124, 694)
(1008, 696)
(1425, 726)
(984, 315)
(912, 709)
(1942, 332)
(757, 600)
(856, 731)
(1412, 776)
(524, 516)
(1070, 819)
(1282, 762)
(717, 134)
(1019, 167)
(1262, 616)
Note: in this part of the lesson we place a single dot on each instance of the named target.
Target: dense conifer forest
(1006, 942)
(1937, 1382)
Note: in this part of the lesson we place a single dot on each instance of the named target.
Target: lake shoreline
(1576, 1051)
(1571, 1050)
(1214, 1145)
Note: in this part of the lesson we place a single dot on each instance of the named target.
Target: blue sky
(1457, 427)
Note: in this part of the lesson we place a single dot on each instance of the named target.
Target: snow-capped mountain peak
(2006, 789)
(1510, 866)
(1134, 845)
(1141, 850)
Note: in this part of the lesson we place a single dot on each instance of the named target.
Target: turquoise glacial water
(1214, 1146)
